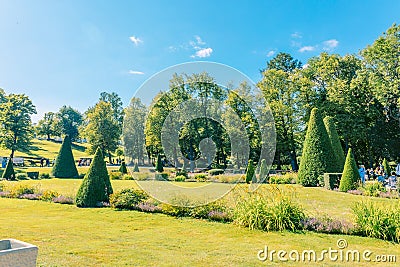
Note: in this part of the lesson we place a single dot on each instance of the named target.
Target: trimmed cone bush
(350, 177)
(386, 167)
(136, 167)
(122, 168)
(159, 165)
(64, 166)
(317, 157)
(335, 142)
(9, 173)
(250, 171)
(96, 186)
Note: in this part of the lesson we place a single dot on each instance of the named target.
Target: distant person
(4, 163)
(361, 171)
(392, 181)
(398, 169)
(48, 162)
(41, 162)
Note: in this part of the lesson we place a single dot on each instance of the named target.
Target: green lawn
(69, 236)
(47, 149)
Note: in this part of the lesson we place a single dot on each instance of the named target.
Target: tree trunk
(48, 137)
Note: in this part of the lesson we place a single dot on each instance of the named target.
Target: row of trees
(361, 92)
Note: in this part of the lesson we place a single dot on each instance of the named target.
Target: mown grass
(47, 149)
(70, 236)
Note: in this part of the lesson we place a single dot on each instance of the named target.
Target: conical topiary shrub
(250, 171)
(96, 186)
(64, 166)
(9, 173)
(335, 142)
(263, 170)
(122, 168)
(386, 167)
(317, 157)
(159, 165)
(136, 167)
(350, 177)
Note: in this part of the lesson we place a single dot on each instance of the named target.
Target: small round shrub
(127, 199)
(21, 189)
(115, 175)
(200, 177)
(182, 172)
(127, 177)
(373, 189)
(44, 175)
(180, 178)
(48, 195)
(21, 176)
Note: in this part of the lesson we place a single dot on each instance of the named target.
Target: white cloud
(307, 48)
(330, 44)
(296, 35)
(271, 53)
(198, 40)
(135, 72)
(135, 40)
(205, 52)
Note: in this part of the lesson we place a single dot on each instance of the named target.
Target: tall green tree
(102, 129)
(283, 98)
(68, 122)
(48, 125)
(16, 129)
(116, 106)
(318, 156)
(133, 130)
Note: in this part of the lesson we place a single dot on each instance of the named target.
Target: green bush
(127, 177)
(21, 189)
(48, 195)
(287, 178)
(21, 176)
(44, 176)
(263, 171)
(162, 176)
(127, 199)
(318, 156)
(275, 212)
(115, 175)
(159, 165)
(350, 177)
(180, 178)
(373, 189)
(201, 177)
(182, 172)
(64, 166)
(375, 221)
(9, 172)
(335, 142)
(213, 172)
(250, 171)
(136, 167)
(96, 186)
(122, 168)
(331, 181)
(386, 167)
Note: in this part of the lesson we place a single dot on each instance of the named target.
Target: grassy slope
(47, 149)
(69, 236)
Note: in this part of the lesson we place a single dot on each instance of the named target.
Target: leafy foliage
(68, 122)
(96, 186)
(127, 199)
(64, 166)
(159, 165)
(123, 168)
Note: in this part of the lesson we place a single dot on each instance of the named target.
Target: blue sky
(67, 52)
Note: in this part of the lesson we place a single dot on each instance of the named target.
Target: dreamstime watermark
(340, 253)
(230, 106)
